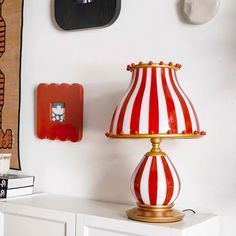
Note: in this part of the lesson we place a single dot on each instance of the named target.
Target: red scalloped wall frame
(71, 127)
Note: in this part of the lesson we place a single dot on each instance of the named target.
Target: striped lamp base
(155, 181)
(155, 185)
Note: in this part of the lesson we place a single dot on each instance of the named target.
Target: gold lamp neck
(156, 150)
(156, 144)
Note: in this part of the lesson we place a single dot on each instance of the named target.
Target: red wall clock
(60, 111)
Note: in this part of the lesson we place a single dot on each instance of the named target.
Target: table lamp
(155, 107)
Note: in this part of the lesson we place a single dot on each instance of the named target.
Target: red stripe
(152, 182)
(194, 112)
(187, 117)
(169, 103)
(125, 103)
(169, 181)
(137, 180)
(112, 120)
(153, 104)
(177, 177)
(135, 117)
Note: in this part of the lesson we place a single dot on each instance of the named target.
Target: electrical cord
(189, 211)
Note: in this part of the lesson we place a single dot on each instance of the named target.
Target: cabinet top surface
(75, 205)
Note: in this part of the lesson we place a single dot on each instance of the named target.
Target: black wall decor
(82, 14)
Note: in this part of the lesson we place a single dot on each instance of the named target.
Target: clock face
(82, 14)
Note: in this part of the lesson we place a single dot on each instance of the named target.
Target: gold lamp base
(154, 214)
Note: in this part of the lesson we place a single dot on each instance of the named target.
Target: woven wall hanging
(10, 70)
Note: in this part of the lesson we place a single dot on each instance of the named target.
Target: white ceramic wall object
(200, 11)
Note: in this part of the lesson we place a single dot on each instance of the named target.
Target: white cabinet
(56, 215)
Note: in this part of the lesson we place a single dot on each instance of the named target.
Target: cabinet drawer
(100, 226)
(15, 225)
(20, 220)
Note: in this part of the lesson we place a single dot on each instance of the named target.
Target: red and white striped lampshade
(154, 105)
(155, 181)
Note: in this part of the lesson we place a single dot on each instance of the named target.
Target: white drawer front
(99, 226)
(15, 225)
(21, 220)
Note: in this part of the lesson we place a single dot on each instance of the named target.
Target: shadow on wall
(101, 98)
(100, 102)
(100, 108)
(52, 15)
(103, 90)
(112, 183)
(180, 12)
(116, 159)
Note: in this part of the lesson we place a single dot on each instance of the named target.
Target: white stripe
(161, 178)
(114, 128)
(127, 117)
(144, 185)
(144, 114)
(163, 117)
(175, 179)
(177, 104)
(186, 99)
(133, 178)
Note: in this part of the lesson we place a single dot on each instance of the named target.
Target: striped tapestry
(10, 59)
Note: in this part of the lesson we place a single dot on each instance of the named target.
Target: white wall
(100, 168)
